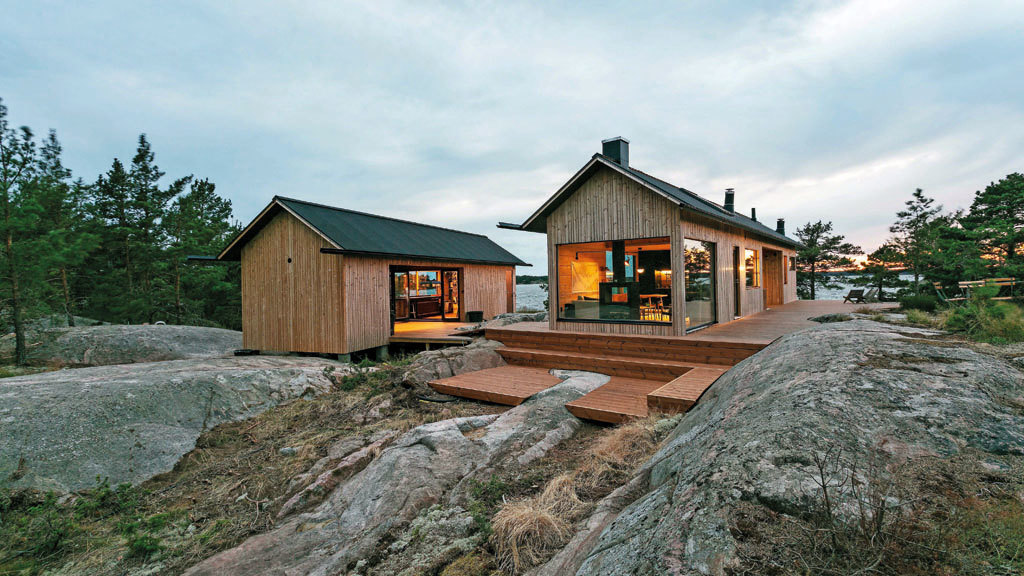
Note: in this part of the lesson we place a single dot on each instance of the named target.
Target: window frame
(557, 301)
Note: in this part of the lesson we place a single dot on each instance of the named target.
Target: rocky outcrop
(447, 362)
(860, 386)
(417, 481)
(119, 344)
(61, 430)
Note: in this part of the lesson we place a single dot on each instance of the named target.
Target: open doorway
(426, 294)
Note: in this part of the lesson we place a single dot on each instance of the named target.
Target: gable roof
(685, 199)
(349, 231)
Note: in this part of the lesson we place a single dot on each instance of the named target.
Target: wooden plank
(509, 385)
(682, 393)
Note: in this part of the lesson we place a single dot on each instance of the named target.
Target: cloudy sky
(464, 114)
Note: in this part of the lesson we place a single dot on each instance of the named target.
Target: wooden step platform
(508, 385)
(682, 393)
(619, 400)
(625, 367)
(631, 346)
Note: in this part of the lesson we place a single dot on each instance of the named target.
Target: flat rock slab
(129, 422)
(120, 344)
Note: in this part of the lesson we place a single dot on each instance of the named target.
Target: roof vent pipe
(730, 200)
(780, 226)
(753, 214)
(617, 149)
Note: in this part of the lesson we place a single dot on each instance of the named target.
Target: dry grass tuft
(616, 454)
(525, 532)
(560, 496)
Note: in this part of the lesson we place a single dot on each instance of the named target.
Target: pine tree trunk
(177, 291)
(813, 278)
(67, 296)
(20, 357)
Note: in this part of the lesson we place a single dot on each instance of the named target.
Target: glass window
(699, 279)
(616, 281)
(753, 265)
(424, 283)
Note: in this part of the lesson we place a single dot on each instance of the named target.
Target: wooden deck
(508, 385)
(429, 332)
(762, 328)
(663, 373)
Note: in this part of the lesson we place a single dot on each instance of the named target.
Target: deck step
(682, 393)
(625, 367)
(650, 347)
(619, 400)
(508, 385)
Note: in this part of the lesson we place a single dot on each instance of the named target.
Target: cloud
(468, 113)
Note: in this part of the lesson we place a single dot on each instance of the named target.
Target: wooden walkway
(663, 373)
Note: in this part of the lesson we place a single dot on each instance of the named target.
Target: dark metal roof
(362, 233)
(687, 200)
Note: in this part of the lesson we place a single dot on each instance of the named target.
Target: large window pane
(699, 270)
(753, 265)
(616, 281)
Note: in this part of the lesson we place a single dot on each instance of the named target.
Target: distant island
(531, 279)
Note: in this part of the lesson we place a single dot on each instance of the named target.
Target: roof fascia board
(425, 258)
(596, 159)
(247, 231)
(311, 227)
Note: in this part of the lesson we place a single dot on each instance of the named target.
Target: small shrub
(923, 302)
(104, 500)
(987, 320)
(40, 530)
(143, 546)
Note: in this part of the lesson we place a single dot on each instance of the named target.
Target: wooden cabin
(321, 279)
(629, 253)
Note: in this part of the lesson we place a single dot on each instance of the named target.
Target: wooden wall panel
(367, 294)
(291, 306)
(608, 206)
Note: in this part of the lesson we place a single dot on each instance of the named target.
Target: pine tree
(910, 228)
(67, 243)
(880, 270)
(996, 219)
(822, 251)
(17, 169)
(198, 223)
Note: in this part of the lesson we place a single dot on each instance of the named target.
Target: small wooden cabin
(629, 253)
(328, 280)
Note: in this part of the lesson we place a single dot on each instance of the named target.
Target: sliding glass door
(699, 281)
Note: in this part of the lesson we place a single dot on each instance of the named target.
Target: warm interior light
(640, 270)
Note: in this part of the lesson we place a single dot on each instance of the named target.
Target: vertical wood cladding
(291, 293)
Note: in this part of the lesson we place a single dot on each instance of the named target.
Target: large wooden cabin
(629, 253)
(321, 279)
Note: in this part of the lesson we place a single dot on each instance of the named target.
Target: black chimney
(730, 200)
(617, 149)
(753, 214)
(780, 226)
